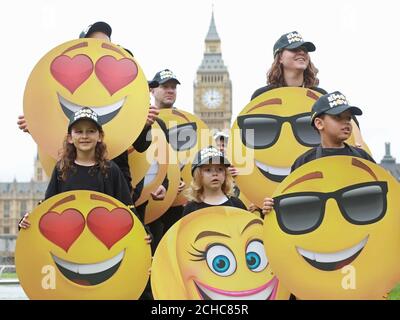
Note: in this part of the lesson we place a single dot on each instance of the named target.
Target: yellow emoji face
(149, 168)
(334, 233)
(91, 73)
(156, 208)
(83, 245)
(207, 258)
(274, 128)
(186, 134)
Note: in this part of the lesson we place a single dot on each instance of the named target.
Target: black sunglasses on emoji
(303, 212)
(260, 131)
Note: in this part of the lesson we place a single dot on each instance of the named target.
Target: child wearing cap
(212, 184)
(83, 164)
(331, 116)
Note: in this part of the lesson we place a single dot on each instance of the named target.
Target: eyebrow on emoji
(357, 163)
(77, 46)
(308, 176)
(180, 114)
(312, 95)
(100, 198)
(266, 103)
(252, 222)
(110, 47)
(210, 234)
(62, 201)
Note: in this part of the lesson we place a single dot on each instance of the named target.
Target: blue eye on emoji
(255, 256)
(221, 260)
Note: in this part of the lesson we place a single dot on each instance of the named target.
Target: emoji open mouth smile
(265, 292)
(105, 113)
(89, 274)
(333, 261)
(276, 174)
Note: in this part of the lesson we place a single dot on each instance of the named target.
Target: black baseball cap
(84, 113)
(292, 40)
(332, 103)
(98, 26)
(162, 77)
(209, 155)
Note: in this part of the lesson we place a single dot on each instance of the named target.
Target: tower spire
(212, 34)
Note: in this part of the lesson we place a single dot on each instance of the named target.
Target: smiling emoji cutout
(156, 208)
(186, 134)
(207, 258)
(275, 128)
(149, 168)
(334, 232)
(83, 245)
(86, 73)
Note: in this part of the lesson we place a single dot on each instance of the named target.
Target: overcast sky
(357, 53)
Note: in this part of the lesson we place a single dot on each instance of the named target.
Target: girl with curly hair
(83, 163)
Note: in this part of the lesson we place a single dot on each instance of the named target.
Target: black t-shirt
(91, 178)
(230, 202)
(272, 86)
(326, 152)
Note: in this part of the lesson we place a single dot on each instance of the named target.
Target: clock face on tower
(212, 98)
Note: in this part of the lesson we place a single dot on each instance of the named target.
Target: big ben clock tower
(212, 87)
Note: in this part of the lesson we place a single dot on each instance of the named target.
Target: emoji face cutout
(149, 168)
(91, 73)
(156, 208)
(334, 231)
(276, 127)
(207, 258)
(186, 134)
(83, 245)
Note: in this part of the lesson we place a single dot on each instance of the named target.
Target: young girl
(212, 183)
(83, 164)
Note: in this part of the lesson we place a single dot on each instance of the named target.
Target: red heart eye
(109, 227)
(115, 74)
(71, 72)
(62, 229)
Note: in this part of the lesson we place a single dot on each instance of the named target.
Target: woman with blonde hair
(212, 183)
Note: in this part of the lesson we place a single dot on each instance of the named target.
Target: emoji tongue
(347, 261)
(82, 282)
